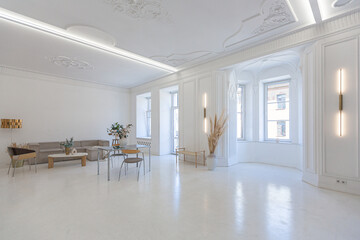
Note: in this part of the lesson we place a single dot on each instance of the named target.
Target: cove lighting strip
(47, 28)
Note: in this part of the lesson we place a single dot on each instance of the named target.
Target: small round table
(82, 156)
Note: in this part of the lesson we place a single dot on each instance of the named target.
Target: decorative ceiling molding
(275, 14)
(140, 9)
(70, 63)
(177, 59)
(341, 3)
(279, 14)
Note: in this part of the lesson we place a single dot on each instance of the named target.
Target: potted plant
(120, 132)
(68, 144)
(217, 129)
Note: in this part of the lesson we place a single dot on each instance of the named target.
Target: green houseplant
(68, 144)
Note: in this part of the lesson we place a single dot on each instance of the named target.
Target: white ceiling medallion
(341, 3)
(140, 9)
(279, 14)
(70, 63)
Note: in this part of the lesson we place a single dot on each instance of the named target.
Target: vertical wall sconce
(205, 105)
(341, 79)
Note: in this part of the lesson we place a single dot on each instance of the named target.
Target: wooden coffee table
(82, 156)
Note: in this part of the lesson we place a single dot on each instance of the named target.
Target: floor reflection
(239, 207)
(278, 212)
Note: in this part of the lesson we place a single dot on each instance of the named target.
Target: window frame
(147, 113)
(172, 127)
(243, 104)
(266, 84)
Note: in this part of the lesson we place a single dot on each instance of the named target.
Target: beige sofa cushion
(48, 145)
(87, 143)
(51, 150)
(77, 144)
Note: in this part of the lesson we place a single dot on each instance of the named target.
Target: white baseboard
(350, 186)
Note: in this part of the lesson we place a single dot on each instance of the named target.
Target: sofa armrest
(105, 143)
(36, 147)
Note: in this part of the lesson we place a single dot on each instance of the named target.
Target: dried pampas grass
(217, 129)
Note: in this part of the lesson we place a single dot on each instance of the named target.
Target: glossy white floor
(247, 201)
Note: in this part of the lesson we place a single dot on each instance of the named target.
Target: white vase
(211, 162)
(123, 142)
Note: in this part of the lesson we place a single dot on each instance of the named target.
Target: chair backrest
(10, 151)
(130, 151)
(14, 151)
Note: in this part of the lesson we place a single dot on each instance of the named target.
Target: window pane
(278, 130)
(239, 98)
(274, 113)
(273, 90)
(175, 99)
(176, 123)
(278, 110)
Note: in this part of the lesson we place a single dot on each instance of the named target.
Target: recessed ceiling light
(59, 32)
(340, 3)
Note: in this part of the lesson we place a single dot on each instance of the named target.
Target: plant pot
(211, 162)
(67, 150)
(122, 142)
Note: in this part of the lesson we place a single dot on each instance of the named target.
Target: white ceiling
(180, 33)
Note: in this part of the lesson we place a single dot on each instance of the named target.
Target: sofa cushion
(89, 143)
(77, 144)
(49, 145)
(51, 150)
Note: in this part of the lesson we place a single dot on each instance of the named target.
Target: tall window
(240, 112)
(277, 110)
(148, 117)
(174, 121)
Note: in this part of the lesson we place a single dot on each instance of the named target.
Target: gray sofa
(43, 149)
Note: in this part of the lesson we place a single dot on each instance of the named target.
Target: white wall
(190, 103)
(254, 148)
(332, 161)
(53, 109)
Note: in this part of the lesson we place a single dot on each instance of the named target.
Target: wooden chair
(136, 160)
(21, 154)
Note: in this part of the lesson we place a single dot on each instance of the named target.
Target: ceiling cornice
(298, 38)
(59, 32)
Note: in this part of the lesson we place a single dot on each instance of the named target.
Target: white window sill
(268, 142)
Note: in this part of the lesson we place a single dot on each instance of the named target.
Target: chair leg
(144, 166)
(29, 164)
(139, 171)
(120, 170)
(14, 168)
(35, 166)
(11, 161)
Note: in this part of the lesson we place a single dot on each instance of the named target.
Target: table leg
(98, 166)
(149, 159)
(108, 166)
(204, 157)
(196, 160)
(50, 162)
(83, 161)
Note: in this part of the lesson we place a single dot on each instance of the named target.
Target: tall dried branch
(217, 129)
